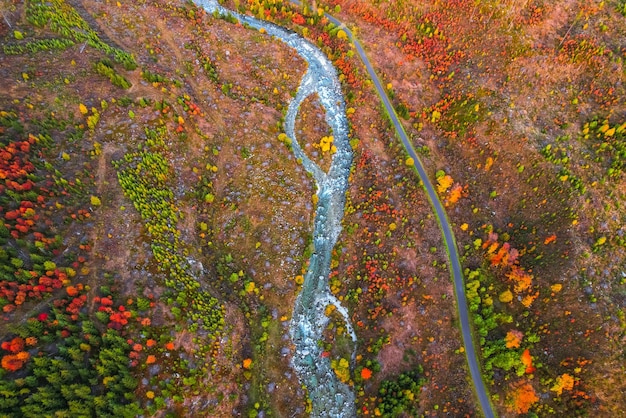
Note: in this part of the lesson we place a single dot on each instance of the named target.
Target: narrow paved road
(456, 271)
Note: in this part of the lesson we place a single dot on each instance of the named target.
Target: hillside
(158, 228)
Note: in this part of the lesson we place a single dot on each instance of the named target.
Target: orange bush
(513, 338)
(71, 291)
(521, 398)
(14, 362)
(550, 239)
(527, 360)
(563, 382)
(455, 194)
(14, 346)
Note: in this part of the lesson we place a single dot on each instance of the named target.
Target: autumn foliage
(505, 256)
(527, 360)
(513, 339)
(16, 358)
(25, 210)
(14, 362)
(563, 382)
(247, 363)
(421, 39)
(522, 397)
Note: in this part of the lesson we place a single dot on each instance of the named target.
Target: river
(329, 396)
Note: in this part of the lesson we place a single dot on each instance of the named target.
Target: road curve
(456, 271)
